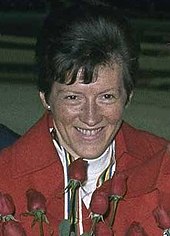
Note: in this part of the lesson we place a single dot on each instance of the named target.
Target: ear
(129, 101)
(43, 100)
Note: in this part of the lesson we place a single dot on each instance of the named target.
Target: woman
(86, 79)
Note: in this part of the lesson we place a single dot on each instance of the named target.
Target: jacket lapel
(35, 149)
(142, 170)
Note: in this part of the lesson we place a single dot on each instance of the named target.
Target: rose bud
(35, 200)
(118, 184)
(106, 187)
(102, 229)
(136, 229)
(77, 170)
(7, 206)
(99, 202)
(162, 217)
(12, 228)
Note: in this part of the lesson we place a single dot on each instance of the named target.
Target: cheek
(63, 115)
(114, 115)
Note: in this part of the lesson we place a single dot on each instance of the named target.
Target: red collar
(37, 142)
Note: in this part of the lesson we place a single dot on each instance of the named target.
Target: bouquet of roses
(111, 191)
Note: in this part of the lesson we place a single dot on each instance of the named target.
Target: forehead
(105, 78)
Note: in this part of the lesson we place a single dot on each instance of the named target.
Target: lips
(89, 132)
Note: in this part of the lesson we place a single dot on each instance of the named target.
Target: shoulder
(23, 144)
(143, 142)
(7, 136)
(33, 151)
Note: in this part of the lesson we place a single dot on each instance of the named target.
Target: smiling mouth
(89, 132)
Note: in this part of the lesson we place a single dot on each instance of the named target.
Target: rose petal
(99, 202)
(7, 206)
(106, 187)
(136, 229)
(119, 184)
(13, 228)
(102, 230)
(35, 200)
(162, 217)
(77, 170)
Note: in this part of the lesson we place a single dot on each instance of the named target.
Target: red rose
(106, 187)
(13, 228)
(103, 230)
(162, 217)
(7, 206)
(119, 184)
(35, 200)
(77, 170)
(99, 202)
(136, 229)
(36, 206)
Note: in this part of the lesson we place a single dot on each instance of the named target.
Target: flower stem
(73, 209)
(113, 211)
(95, 220)
(72, 206)
(41, 228)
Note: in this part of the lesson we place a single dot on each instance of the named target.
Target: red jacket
(32, 162)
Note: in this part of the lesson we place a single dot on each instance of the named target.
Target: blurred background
(20, 24)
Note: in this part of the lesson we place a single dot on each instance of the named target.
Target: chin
(90, 154)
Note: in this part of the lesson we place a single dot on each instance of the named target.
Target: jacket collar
(141, 166)
(37, 142)
(126, 158)
(143, 178)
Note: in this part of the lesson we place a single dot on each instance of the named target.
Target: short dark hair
(85, 37)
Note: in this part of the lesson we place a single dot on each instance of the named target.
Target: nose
(90, 113)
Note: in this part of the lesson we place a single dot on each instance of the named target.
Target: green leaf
(64, 228)
(8, 218)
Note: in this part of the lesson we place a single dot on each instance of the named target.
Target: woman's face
(87, 116)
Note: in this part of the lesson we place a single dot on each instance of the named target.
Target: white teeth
(89, 132)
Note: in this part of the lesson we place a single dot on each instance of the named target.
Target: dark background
(147, 6)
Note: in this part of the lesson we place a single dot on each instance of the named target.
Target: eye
(108, 96)
(71, 97)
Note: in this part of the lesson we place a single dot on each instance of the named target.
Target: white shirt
(95, 169)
